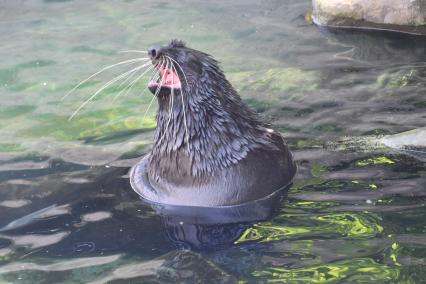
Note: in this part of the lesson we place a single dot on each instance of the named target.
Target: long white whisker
(168, 121)
(170, 104)
(112, 81)
(132, 50)
(153, 97)
(172, 93)
(161, 82)
(137, 79)
(154, 72)
(129, 87)
(158, 89)
(183, 106)
(151, 76)
(146, 112)
(130, 61)
(179, 68)
(127, 79)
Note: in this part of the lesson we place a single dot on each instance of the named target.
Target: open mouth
(166, 79)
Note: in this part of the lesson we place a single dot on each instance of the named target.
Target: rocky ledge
(408, 16)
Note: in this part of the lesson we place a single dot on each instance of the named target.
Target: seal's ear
(176, 43)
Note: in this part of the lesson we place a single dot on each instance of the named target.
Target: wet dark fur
(225, 136)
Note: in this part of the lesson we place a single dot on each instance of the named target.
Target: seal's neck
(203, 132)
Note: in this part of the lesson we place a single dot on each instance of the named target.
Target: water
(355, 214)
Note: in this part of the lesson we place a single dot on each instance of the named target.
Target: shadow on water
(203, 228)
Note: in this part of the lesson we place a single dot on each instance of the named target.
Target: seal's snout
(154, 52)
(168, 79)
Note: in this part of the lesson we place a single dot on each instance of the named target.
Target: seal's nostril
(154, 52)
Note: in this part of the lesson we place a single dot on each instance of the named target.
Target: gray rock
(411, 142)
(397, 15)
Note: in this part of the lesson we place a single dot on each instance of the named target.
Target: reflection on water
(215, 228)
(355, 214)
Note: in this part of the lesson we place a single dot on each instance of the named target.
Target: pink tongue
(169, 76)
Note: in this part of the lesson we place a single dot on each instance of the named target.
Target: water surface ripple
(355, 214)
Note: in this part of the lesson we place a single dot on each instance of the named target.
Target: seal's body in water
(210, 149)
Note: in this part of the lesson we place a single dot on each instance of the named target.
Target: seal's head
(166, 61)
(182, 69)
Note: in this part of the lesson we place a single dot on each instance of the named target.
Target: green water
(354, 215)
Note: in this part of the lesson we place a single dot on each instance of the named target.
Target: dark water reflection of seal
(213, 228)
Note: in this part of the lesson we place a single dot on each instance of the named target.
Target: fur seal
(210, 149)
